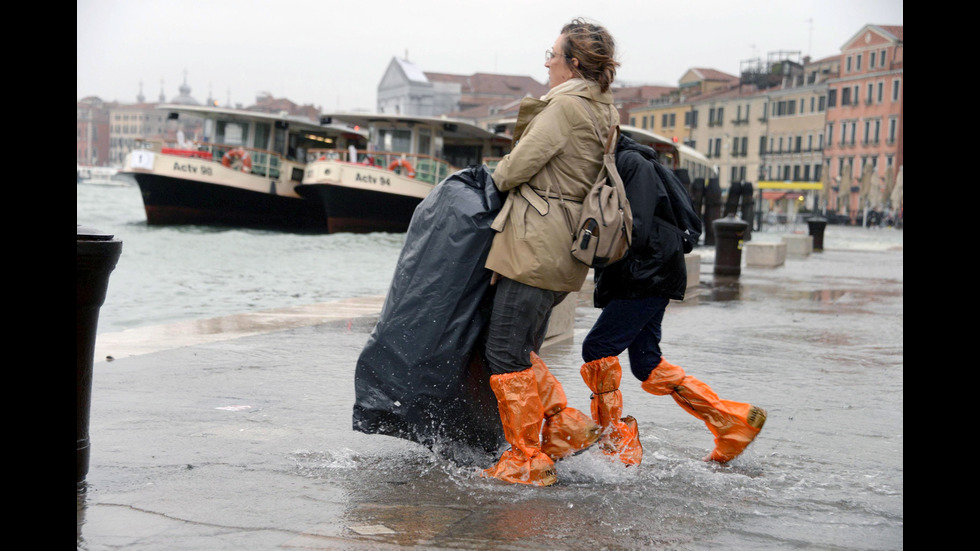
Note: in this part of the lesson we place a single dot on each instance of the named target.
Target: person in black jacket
(634, 294)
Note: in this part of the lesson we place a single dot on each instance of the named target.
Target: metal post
(817, 224)
(697, 200)
(748, 208)
(712, 209)
(96, 257)
(729, 232)
(734, 196)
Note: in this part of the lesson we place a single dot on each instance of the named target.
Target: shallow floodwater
(817, 342)
(827, 471)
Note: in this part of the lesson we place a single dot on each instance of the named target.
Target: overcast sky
(332, 54)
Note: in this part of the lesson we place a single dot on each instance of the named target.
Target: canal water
(818, 342)
(167, 274)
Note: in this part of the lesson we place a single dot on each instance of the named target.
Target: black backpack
(688, 222)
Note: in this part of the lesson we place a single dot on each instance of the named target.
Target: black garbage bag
(422, 376)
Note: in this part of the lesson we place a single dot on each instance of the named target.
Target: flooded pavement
(246, 443)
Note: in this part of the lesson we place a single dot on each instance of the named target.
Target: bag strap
(609, 157)
(610, 144)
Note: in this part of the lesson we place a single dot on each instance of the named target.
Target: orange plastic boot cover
(664, 380)
(566, 431)
(521, 415)
(730, 443)
(620, 434)
(734, 424)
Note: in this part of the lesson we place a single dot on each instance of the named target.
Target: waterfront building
(92, 132)
(864, 123)
(731, 132)
(830, 130)
(627, 98)
(673, 114)
(131, 123)
(792, 147)
(405, 89)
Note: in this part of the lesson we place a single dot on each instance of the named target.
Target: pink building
(865, 114)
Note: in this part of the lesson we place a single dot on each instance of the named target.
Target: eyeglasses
(549, 54)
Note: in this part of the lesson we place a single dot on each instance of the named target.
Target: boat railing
(426, 168)
(264, 163)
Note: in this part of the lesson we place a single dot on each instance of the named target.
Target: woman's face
(559, 66)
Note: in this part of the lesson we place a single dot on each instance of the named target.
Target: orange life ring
(237, 158)
(407, 166)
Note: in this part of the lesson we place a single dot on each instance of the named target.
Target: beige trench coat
(556, 150)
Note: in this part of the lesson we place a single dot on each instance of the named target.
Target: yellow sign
(786, 184)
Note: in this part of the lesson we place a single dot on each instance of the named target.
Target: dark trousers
(628, 324)
(518, 324)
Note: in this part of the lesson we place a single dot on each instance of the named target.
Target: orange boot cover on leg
(621, 436)
(567, 431)
(521, 415)
(734, 424)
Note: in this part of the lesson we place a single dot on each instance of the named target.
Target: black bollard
(697, 196)
(748, 208)
(817, 225)
(96, 257)
(697, 199)
(712, 209)
(731, 202)
(729, 233)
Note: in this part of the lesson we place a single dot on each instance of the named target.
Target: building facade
(92, 132)
(131, 123)
(832, 128)
(793, 145)
(732, 126)
(864, 123)
(406, 89)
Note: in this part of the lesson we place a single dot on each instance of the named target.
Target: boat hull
(362, 198)
(176, 201)
(360, 210)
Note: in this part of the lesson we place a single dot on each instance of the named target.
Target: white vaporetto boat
(242, 172)
(378, 188)
(98, 175)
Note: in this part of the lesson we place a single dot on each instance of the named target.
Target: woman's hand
(494, 278)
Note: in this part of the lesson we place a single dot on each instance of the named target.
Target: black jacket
(655, 264)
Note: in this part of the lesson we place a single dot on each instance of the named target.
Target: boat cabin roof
(651, 139)
(450, 128)
(295, 123)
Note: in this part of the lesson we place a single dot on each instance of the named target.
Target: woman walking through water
(557, 155)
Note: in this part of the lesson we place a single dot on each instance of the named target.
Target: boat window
(437, 152)
(231, 133)
(262, 132)
(399, 141)
(425, 141)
